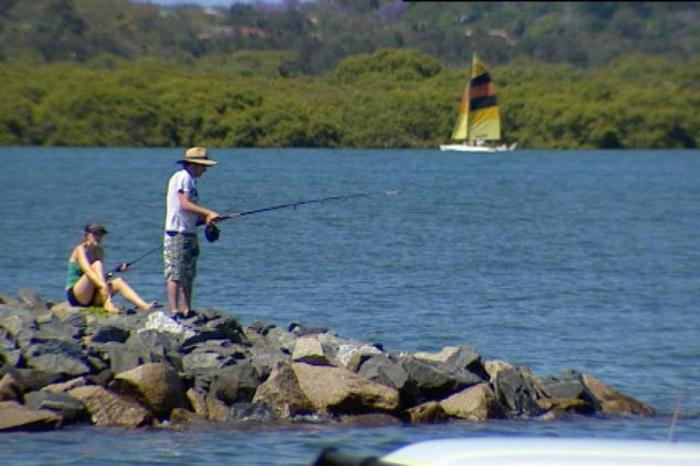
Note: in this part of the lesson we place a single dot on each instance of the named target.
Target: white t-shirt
(177, 218)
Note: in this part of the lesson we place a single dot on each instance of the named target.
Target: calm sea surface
(549, 259)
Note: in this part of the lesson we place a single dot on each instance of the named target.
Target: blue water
(550, 259)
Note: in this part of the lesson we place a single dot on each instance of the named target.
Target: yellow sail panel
(485, 124)
(459, 132)
(478, 68)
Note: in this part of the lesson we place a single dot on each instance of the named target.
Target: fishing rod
(125, 265)
(299, 203)
(215, 235)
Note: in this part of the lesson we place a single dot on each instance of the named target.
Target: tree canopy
(391, 98)
(346, 73)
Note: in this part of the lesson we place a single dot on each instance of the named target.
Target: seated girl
(88, 285)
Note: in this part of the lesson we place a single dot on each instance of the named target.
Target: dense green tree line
(320, 33)
(392, 98)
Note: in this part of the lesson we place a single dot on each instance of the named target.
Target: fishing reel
(211, 232)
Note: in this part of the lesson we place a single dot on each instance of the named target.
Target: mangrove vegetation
(354, 74)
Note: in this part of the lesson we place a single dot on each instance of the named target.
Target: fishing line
(294, 205)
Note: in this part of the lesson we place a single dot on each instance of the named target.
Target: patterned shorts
(180, 254)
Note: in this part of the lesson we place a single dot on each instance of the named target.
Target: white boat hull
(545, 452)
(473, 148)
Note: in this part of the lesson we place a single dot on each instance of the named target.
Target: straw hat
(199, 156)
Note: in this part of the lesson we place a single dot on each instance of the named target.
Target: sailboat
(479, 120)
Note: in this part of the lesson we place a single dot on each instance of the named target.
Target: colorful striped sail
(479, 118)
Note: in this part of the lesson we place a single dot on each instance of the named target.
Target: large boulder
(340, 391)
(63, 366)
(566, 393)
(61, 356)
(156, 385)
(70, 409)
(477, 403)
(386, 369)
(109, 409)
(516, 389)
(283, 394)
(235, 383)
(614, 402)
(435, 380)
(14, 416)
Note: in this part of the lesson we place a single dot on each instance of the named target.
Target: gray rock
(31, 298)
(517, 393)
(236, 383)
(211, 325)
(70, 409)
(264, 358)
(250, 412)
(14, 324)
(387, 370)
(10, 389)
(567, 386)
(31, 379)
(435, 380)
(14, 417)
(6, 299)
(110, 333)
(62, 365)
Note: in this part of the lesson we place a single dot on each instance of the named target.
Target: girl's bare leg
(120, 285)
(84, 291)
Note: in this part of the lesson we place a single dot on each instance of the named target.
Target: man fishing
(183, 214)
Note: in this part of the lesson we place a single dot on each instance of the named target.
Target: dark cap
(95, 228)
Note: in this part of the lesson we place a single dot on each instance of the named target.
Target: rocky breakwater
(61, 365)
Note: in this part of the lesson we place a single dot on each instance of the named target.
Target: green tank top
(74, 274)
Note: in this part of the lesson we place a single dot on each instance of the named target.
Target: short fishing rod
(125, 265)
(213, 234)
